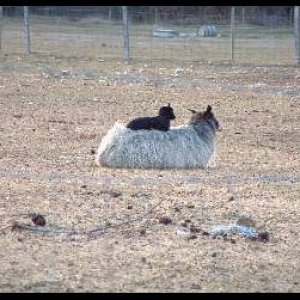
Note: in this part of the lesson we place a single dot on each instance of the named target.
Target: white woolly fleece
(178, 148)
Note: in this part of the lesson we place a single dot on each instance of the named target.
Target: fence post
(243, 15)
(126, 31)
(26, 30)
(232, 33)
(1, 16)
(156, 15)
(297, 33)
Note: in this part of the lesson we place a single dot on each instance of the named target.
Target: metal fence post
(1, 16)
(125, 31)
(26, 30)
(297, 33)
(243, 15)
(232, 33)
(156, 15)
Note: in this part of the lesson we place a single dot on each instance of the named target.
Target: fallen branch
(101, 230)
(41, 229)
(50, 230)
(7, 226)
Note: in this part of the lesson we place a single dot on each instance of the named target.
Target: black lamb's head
(167, 111)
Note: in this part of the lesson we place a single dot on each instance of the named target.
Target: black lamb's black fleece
(161, 122)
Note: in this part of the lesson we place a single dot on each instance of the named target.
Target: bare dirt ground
(55, 110)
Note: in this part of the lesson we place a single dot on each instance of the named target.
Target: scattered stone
(183, 233)
(65, 73)
(231, 198)
(205, 233)
(129, 207)
(190, 206)
(183, 224)
(245, 221)
(111, 192)
(84, 186)
(18, 116)
(195, 229)
(263, 236)
(143, 231)
(165, 220)
(107, 224)
(178, 71)
(192, 237)
(214, 254)
(38, 219)
(140, 194)
(196, 286)
(93, 151)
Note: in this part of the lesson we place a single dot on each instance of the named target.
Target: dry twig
(93, 232)
(101, 230)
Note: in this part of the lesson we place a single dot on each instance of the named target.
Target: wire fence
(244, 37)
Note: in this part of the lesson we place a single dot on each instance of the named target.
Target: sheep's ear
(209, 108)
(208, 111)
(192, 110)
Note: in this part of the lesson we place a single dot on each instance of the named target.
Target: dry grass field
(54, 110)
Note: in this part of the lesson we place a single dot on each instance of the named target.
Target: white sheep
(182, 147)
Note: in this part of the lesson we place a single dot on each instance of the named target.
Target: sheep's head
(167, 111)
(207, 115)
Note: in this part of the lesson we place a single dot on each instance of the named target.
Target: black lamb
(161, 122)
